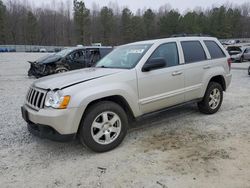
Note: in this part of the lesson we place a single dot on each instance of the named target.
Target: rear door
(196, 63)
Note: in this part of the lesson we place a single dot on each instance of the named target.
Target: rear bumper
(228, 80)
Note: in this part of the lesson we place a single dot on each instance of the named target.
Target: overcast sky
(181, 5)
(155, 4)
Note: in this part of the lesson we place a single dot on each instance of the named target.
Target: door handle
(207, 67)
(176, 73)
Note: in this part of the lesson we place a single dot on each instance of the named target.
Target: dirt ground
(177, 148)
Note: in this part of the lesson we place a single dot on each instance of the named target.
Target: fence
(30, 48)
(37, 48)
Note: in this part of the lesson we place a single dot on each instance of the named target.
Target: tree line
(67, 24)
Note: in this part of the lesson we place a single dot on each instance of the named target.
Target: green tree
(169, 23)
(234, 19)
(32, 29)
(190, 23)
(2, 22)
(138, 32)
(107, 23)
(218, 24)
(126, 25)
(82, 22)
(149, 23)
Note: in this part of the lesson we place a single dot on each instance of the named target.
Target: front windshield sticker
(136, 51)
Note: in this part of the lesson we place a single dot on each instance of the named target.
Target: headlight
(55, 99)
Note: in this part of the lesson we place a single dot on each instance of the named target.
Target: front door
(162, 87)
(76, 60)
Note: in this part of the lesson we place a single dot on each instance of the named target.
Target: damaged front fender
(38, 70)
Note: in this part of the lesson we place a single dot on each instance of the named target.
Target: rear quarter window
(214, 50)
(193, 51)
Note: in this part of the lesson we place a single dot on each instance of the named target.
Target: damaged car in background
(67, 59)
(239, 53)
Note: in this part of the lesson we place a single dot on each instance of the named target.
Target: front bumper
(44, 131)
(51, 123)
(235, 58)
(37, 70)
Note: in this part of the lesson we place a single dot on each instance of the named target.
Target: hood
(48, 59)
(64, 80)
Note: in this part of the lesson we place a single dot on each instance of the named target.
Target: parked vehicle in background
(67, 59)
(230, 42)
(239, 53)
(43, 50)
(133, 80)
(3, 49)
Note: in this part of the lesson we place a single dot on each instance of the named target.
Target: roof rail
(190, 35)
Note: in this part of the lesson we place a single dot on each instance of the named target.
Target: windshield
(64, 52)
(124, 57)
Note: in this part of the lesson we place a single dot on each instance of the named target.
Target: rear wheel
(104, 126)
(212, 100)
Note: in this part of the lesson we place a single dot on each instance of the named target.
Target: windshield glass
(64, 52)
(124, 57)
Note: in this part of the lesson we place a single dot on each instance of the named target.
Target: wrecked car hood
(63, 80)
(48, 59)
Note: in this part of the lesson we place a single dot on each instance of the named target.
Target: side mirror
(155, 63)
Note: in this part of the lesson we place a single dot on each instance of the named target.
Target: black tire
(249, 70)
(241, 59)
(91, 116)
(204, 106)
(61, 70)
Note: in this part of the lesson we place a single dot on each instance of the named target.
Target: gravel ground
(177, 148)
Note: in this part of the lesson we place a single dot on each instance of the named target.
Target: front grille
(35, 98)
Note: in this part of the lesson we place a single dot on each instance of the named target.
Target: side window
(75, 55)
(169, 52)
(247, 50)
(214, 50)
(193, 51)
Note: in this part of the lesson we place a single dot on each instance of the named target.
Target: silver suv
(97, 104)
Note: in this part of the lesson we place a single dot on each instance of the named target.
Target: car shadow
(75, 148)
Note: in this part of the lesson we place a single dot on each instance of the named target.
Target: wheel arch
(118, 99)
(219, 79)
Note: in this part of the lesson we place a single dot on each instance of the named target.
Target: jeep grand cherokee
(98, 103)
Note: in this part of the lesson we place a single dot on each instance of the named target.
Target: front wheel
(212, 100)
(104, 126)
(61, 70)
(241, 59)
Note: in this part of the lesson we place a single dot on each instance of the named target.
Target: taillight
(229, 62)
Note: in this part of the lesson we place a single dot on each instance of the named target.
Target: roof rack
(190, 35)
